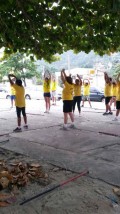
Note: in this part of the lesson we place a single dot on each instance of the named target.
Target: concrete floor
(94, 145)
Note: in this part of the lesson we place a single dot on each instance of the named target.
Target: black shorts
(118, 105)
(67, 106)
(107, 100)
(47, 94)
(19, 110)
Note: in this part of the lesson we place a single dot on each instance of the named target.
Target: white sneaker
(115, 119)
(72, 126)
(64, 128)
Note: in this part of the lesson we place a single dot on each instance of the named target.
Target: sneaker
(110, 113)
(25, 126)
(64, 128)
(105, 113)
(115, 119)
(17, 130)
(45, 111)
(72, 126)
(82, 105)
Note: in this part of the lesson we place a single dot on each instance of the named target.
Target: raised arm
(10, 80)
(63, 75)
(50, 75)
(118, 78)
(79, 79)
(106, 78)
(87, 80)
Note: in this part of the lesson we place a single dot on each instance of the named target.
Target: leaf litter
(15, 175)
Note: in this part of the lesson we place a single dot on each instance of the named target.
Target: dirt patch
(83, 196)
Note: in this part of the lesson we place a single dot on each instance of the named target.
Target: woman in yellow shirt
(67, 96)
(54, 87)
(107, 93)
(86, 92)
(12, 96)
(117, 99)
(77, 94)
(46, 89)
(19, 101)
(114, 91)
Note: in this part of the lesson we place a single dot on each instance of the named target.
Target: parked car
(36, 92)
(4, 94)
(96, 94)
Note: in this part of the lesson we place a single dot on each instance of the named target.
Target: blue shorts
(47, 94)
(12, 97)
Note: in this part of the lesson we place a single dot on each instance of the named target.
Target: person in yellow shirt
(67, 96)
(47, 89)
(12, 96)
(117, 99)
(114, 91)
(107, 93)
(77, 94)
(54, 88)
(19, 101)
(86, 92)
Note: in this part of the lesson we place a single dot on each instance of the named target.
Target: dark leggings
(19, 110)
(77, 99)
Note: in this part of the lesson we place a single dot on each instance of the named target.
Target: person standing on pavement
(107, 93)
(19, 101)
(77, 94)
(54, 88)
(117, 99)
(114, 91)
(47, 89)
(67, 96)
(86, 92)
(12, 96)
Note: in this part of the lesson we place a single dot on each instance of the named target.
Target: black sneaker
(105, 113)
(17, 130)
(110, 112)
(25, 126)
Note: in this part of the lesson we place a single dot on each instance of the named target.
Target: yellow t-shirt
(86, 90)
(12, 90)
(108, 90)
(19, 96)
(114, 90)
(54, 86)
(118, 92)
(46, 86)
(67, 93)
(77, 90)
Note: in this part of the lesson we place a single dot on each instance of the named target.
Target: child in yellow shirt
(86, 92)
(19, 101)
(54, 88)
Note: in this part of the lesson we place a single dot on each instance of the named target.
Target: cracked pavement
(94, 145)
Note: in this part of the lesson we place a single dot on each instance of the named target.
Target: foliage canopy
(20, 65)
(47, 27)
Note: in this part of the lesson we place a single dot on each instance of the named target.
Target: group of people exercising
(71, 95)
